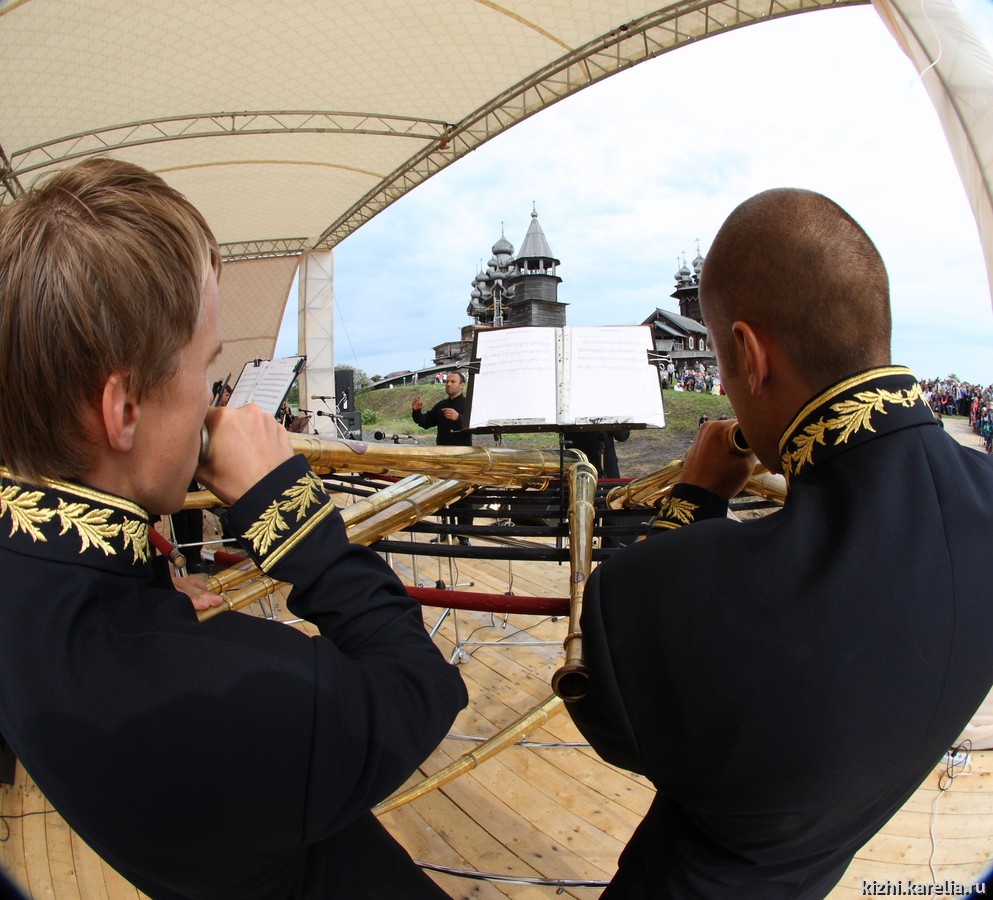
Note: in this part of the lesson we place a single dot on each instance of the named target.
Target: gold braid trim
(92, 524)
(24, 511)
(674, 512)
(854, 414)
(295, 500)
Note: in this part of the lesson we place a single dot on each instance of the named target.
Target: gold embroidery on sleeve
(296, 499)
(266, 529)
(673, 509)
(302, 495)
(25, 514)
(666, 524)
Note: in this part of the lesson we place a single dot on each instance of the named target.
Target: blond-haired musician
(231, 758)
(788, 682)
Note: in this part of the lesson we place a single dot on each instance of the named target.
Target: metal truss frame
(634, 42)
(440, 143)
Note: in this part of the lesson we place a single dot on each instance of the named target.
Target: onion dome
(503, 246)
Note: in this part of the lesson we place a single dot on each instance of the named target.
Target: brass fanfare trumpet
(649, 489)
(496, 466)
(569, 682)
(736, 441)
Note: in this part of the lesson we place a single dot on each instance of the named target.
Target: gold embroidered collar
(858, 409)
(72, 523)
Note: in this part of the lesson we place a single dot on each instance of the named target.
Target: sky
(629, 174)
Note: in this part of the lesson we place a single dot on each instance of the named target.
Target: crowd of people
(960, 398)
(696, 379)
(946, 397)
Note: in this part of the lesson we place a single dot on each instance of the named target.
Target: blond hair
(102, 270)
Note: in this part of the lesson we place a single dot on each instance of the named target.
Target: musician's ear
(753, 354)
(120, 411)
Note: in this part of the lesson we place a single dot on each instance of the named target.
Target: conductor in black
(447, 415)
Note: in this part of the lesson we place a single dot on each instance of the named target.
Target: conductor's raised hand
(416, 403)
(244, 445)
(711, 463)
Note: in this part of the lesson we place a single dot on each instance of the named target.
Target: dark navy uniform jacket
(234, 758)
(787, 682)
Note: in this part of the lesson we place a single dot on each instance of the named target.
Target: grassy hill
(388, 411)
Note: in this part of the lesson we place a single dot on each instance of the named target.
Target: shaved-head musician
(787, 682)
(235, 757)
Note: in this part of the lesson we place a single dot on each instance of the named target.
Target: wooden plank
(507, 787)
(555, 781)
(463, 840)
(918, 850)
(505, 809)
(464, 829)
(89, 870)
(35, 810)
(916, 825)
(61, 864)
(633, 793)
(11, 828)
(118, 887)
(456, 831)
(540, 827)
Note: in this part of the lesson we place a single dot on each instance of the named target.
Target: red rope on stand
(495, 603)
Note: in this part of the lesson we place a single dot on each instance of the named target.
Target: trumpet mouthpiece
(737, 443)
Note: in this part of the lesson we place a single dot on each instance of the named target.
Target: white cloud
(628, 174)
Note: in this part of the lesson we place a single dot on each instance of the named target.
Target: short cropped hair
(102, 270)
(796, 264)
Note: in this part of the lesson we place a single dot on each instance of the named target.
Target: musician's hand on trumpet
(715, 463)
(195, 587)
(242, 446)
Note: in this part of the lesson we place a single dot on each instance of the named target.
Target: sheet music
(266, 384)
(517, 377)
(250, 376)
(609, 378)
(542, 377)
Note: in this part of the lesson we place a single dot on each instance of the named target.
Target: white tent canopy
(290, 124)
